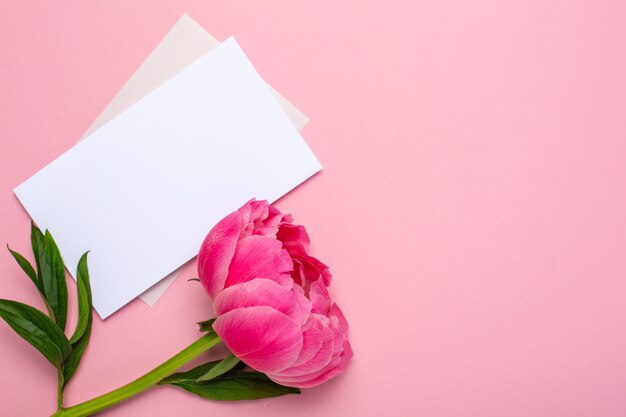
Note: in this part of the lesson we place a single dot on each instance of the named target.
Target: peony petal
(306, 363)
(265, 339)
(266, 230)
(216, 253)
(312, 340)
(335, 367)
(312, 268)
(304, 376)
(320, 299)
(293, 234)
(298, 273)
(337, 319)
(253, 215)
(286, 217)
(275, 217)
(259, 257)
(259, 218)
(339, 366)
(264, 292)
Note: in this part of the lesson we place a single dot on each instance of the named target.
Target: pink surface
(471, 208)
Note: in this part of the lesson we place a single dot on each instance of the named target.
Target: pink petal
(337, 319)
(266, 230)
(338, 369)
(312, 268)
(216, 252)
(320, 299)
(271, 220)
(259, 257)
(293, 233)
(264, 292)
(286, 217)
(335, 367)
(253, 213)
(298, 272)
(275, 217)
(306, 363)
(264, 338)
(271, 223)
(304, 376)
(312, 340)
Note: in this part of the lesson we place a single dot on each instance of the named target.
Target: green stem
(60, 389)
(143, 383)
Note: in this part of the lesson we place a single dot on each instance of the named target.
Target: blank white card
(142, 191)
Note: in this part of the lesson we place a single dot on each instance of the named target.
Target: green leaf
(27, 268)
(207, 326)
(80, 338)
(36, 239)
(195, 373)
(78, 349)
(220, 368)
(37, 329)
(234, 385)
(84, 299)
(52, 275)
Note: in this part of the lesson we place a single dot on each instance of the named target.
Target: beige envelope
(184, 43)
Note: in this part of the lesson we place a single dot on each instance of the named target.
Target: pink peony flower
(271, 297)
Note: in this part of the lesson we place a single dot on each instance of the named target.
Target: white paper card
(184, 43)
(142, 191)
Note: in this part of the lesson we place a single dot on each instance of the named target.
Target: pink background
(471, 206)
